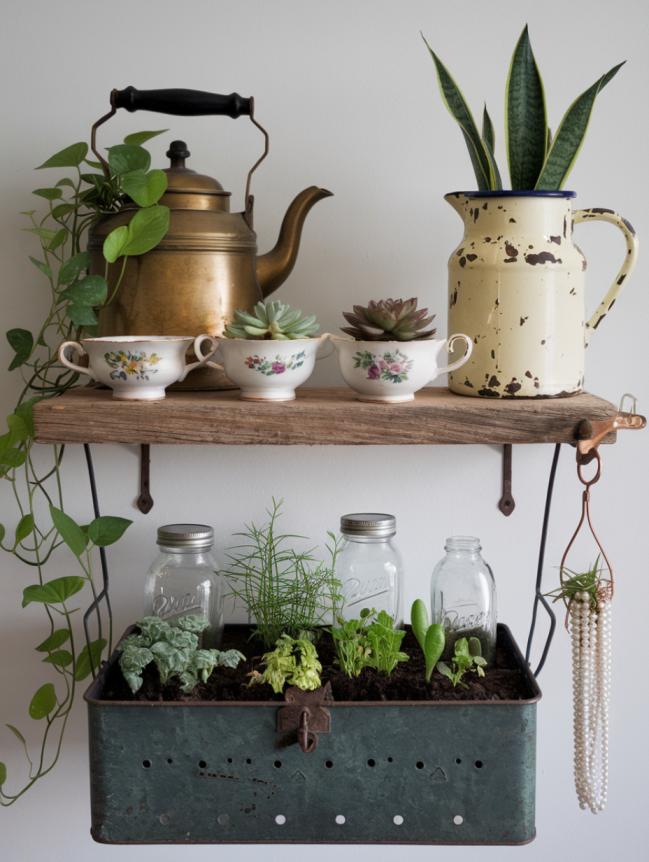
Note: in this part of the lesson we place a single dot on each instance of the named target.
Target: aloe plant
(537, 160)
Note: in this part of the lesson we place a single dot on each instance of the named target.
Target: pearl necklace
(590, 630)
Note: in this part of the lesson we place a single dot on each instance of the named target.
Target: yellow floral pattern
(137, 366)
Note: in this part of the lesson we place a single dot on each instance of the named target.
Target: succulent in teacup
(389, 320)
(272, 320)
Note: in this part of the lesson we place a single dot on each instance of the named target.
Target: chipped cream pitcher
(516, 287)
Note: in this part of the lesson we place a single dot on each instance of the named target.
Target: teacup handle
(80, 369)
(449, 347)
(324, 338)
(202, 358)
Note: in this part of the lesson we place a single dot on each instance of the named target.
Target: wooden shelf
(317, 416)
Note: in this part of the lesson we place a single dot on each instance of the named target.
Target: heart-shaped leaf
(3, 773)
(59, 658)
(73, 267)
(22, 342)
(115, 242)
(48, 194)
(107, 529)
(81, 315)
(24, 528)
(146, 229)
(69, 530)
(124, 158)
(89, 659)
(43, 702)
(44, 267)
(54, 641)
(91, 290)
(69, 157)
(145, 188)
(138, 138)
(53, 592)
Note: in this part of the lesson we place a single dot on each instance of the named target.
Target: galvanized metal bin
(397, 772)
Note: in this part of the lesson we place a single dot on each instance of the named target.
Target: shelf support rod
(507, 504)
(145, 501)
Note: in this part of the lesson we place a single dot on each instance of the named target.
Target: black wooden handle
(186, 103)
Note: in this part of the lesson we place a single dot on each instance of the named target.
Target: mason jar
(463, 596)
(184, 579)
(369, 565)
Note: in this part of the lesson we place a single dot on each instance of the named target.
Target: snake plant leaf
(525, 116)
(489, 141)
(570, 135)
(458, 108)
(488, 134)
(548, 141)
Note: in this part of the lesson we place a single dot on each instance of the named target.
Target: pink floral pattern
(269, 366)
(392, 365)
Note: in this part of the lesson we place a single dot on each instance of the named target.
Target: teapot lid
(181, 180)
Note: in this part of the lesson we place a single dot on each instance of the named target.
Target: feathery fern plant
(537, 160)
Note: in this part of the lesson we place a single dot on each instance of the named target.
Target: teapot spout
(457, 200)
(274, 267)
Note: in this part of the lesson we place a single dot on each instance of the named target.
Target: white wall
(348, 94)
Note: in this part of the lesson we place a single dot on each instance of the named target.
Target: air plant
(430, 637)
(536, 159)
(272, 320)
(389, 320)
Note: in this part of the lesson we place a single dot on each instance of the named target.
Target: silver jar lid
(375, 524)
(190, 537)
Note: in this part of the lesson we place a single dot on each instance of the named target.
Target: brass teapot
(207, 265)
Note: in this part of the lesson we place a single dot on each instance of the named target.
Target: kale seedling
(384, 641)
(467, 657)
(352, 646)
(173, 648)
(294, 661)
(430, 637)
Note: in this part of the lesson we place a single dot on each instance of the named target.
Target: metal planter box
(397, 772)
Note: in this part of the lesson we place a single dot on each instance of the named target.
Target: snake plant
(537, 160)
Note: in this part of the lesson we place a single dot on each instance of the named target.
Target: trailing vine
(74, 204)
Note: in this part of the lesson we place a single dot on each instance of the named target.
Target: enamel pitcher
(516, 287)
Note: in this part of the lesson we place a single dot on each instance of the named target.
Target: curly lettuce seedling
(430, 637)
(294, 661)
(384, 641)
(173, 648)
(352, 646)
(467, 658)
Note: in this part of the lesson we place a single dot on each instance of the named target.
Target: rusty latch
(305, 716)
(591, 433)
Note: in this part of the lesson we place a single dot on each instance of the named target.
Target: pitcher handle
(449, 347)
(601, 214)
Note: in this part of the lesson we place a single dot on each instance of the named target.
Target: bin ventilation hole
(478, 764)
(202, 764)
(371, 762)
(278, 764)
(169, 760)
(223, 819)
(146, 764)
(419, 764)
(229, 760)
(248, 761)
(397, 820)
(280, 819)
(164, 819)
(390, 759)
(458, 820)
(340, 819)
(458, 760)
(329, 764)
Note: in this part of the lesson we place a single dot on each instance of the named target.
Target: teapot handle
(626, 227)
(184, 103)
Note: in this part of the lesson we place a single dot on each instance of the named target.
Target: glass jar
(184, 579)
(463, 596)
(369, 565)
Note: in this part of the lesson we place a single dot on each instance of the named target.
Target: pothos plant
(74, 295)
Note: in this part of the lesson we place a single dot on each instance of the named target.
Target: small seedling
(430, 637)
(294, 661)
(384, 641)
(467, 658)
(352, 646)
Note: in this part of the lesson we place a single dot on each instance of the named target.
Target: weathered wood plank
(317, 416)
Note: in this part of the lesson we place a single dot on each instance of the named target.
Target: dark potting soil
(504, 680)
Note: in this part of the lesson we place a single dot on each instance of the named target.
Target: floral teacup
(392, 371)
(137, 367)
(268, 370)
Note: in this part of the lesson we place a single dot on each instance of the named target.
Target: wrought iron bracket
(145, 501)
(507, 504)
(305, 716)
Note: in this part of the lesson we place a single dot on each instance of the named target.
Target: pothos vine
(34, 481)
